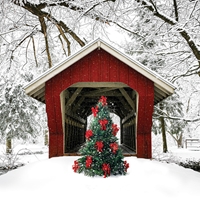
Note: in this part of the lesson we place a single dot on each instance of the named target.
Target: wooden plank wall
(128, 133)
(100, 66)
(74, 134)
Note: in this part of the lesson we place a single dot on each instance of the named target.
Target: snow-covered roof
(162, 87)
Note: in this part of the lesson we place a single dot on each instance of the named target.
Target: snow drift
(55, 179)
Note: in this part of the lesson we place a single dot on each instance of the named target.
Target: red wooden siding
(100, 66)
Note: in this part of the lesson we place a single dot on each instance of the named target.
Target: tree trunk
(163, 130)
(164, 138)
(180, 141)
(8, 145)
(46, 138)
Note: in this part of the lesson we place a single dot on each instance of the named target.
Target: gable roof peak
(38, 84)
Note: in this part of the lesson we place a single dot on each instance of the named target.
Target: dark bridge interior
(78, 102)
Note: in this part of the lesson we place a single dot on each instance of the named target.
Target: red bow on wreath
(106, 169)
(126, 165)
(75, 167)
(114, 147)
(115, 129)
(88, 161)
(95, 111)
(103, 123)
(99, 146)
(103, 100)
(88, 134)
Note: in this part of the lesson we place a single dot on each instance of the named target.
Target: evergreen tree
(101, 154)
(18, 114)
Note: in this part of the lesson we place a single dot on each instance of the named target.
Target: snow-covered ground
(24, 154)
(43, 178)
(185, 154)
(55, 179)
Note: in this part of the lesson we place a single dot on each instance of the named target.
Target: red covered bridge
(72, 87)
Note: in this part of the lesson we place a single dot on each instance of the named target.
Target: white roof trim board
(36, 88)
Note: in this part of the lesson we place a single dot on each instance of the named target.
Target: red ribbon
(95, 111)
(106, 169)
(88, 161)
(115, 129)
(114, 147)
(103, 100)
(88, 134)
(126, 165)
(103, 123)
(75, 167)
(99, 146)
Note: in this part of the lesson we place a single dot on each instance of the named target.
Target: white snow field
(54, 178)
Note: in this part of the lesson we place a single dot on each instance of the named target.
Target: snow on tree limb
(173, 22)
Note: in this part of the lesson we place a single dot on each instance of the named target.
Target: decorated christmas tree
(101, 154)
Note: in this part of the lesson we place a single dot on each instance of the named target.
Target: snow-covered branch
(173, 22)
(162, 114)
(36, 10)
(177, 118)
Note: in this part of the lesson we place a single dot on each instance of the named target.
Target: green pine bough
(101, 154)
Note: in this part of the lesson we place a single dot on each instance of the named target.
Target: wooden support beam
(125, 106)
(103, 92)
(131, 114)
(78, 118)
(107, 94)
(42, 99)
(156, 101)
(73, 98)
(40, 93)
(159, 93)
(80, 101)
(36, 89)
(129, 124)
(120, 101)
(127, 97)
(134, 95)
(99, 84)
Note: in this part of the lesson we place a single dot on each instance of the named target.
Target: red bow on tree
(88, 134)
(88, 161)
(106, 169)
(95, 111)
(114, 147)
(103, 123)
(115, 129)
(103, 100)
(75, 167)
(99, 146)
(126, 165)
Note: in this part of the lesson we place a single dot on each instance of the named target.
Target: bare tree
(58, 21)
(64, 24)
